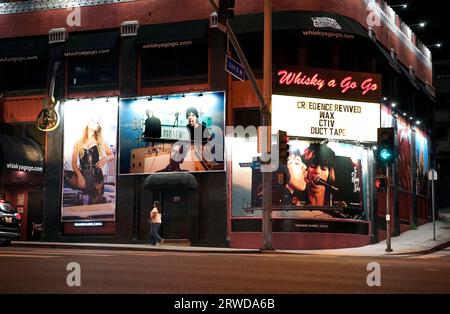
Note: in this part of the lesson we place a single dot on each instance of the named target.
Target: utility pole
(266, 123)
(388, 213)
(265, 101)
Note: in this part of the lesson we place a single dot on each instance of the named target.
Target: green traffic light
(385, 154)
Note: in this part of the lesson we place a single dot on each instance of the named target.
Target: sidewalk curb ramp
(434, 249)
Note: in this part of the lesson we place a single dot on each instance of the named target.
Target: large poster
(321, 180)
(89, 174)
(404, 156)
(422, 163)
(326, 118)
(172, 133)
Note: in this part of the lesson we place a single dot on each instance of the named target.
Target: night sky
(435, 14)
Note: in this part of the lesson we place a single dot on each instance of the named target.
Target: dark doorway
(176, 208)
(35, 214)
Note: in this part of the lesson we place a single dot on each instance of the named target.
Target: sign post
(388, 213)
(433, 176)
(234, 68)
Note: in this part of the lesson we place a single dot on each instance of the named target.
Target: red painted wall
(156, 11)
(22, 109)
(298, 241)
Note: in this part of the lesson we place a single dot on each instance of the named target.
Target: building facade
(134, 79)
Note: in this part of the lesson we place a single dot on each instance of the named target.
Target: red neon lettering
(347, 84)
(298, 78)
(368, 86)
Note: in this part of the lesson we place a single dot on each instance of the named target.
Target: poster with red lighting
(404, 156)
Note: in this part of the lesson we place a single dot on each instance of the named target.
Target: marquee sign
(325, 118)
(327, 83)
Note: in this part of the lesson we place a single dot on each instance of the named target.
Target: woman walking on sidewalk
(155, 224)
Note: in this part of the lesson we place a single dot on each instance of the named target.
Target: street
(44, 270)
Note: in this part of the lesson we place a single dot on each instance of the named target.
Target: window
(252, 44)
(247, 117)
(22, 76)
(286, 47)
(93, 72)
(179, 65)
(319, 53)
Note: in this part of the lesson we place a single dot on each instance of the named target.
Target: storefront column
(54, 153)
(128, 67)
(217, 74)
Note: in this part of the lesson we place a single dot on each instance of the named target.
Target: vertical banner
(90, 144)
(386, 117)
(404, 156)
(422, 163)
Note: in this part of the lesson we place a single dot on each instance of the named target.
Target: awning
(300, 20)
(180, 180)
(21, 154)
(89, 44)
(23, 49)
(172, 32)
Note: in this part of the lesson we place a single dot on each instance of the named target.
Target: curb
(145, 248)
(434, 249)
(137, 247)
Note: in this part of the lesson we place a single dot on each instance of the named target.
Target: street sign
(432, 175)
(234, 68)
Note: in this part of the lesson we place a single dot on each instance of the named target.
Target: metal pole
(265, 102)
(432, 207)
(388, 213)
(266, 122)
(242, 58)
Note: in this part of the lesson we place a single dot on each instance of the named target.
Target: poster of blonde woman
(89, 174)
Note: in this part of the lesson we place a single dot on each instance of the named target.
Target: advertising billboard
(422, 163)
(325, 118)
(172, 133)
(321, 181)
(89, 174)
(404, 156)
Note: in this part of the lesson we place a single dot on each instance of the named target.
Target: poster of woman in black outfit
(90, 154)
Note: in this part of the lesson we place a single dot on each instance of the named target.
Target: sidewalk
(419, 241)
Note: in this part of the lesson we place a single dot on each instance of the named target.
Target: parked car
(9, 223)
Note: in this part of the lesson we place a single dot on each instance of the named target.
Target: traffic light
(283, 147)
(385, 151)
(380, 184)
(226, 10)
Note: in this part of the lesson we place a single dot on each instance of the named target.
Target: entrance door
(176, 209)
(35, 214)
